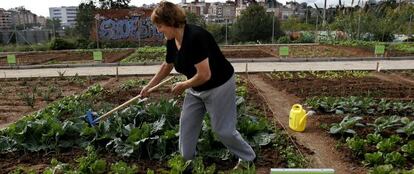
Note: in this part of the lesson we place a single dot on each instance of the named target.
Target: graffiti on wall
(135, 28)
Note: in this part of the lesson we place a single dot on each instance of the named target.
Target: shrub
(283, 40)
(306, 37)
(61, 44)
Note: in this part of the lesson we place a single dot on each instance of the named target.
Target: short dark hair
(168, 14)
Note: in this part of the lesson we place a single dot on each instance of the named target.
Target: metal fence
(24, 36)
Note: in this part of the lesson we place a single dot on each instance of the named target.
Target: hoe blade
(90, 118)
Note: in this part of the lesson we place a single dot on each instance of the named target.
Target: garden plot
(19, 97)
(371, 119)
(66, 57)
(144, 135)
(157, 54)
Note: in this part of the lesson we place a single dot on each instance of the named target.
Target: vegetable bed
(371, 119)
(141, 138)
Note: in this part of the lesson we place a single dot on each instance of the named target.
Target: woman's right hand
(145, 91)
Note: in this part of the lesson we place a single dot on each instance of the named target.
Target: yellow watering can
(297, 118)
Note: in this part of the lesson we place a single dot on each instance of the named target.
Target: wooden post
(378, 67)
(117, 73)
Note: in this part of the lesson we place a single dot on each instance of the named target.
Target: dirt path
(394, 78)
(325, 154)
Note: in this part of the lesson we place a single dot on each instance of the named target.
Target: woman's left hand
(178, 88)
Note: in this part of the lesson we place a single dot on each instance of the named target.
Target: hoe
(90, 116)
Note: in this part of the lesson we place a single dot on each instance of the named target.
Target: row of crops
(144, 131)
(376, 131)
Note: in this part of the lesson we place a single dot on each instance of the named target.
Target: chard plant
(356, 144)
(389, 144)
(373, 159)
(395, 158)
(373, 138)
(408, 149)
(178, 164)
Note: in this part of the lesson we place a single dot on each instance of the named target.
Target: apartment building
(5, 20)
(66, 15)
(220, 12)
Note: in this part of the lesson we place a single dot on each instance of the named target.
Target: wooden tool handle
(132, 100)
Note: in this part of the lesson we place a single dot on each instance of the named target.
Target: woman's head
(168, 14)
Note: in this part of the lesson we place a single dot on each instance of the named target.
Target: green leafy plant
(76, 79)
(395, 158)
(361, 105)
(374, 138)
(200, 168)
(58, 167)
(91, 163)
(382, 169)
(373, 159)
(133, 83)
(408, 149)
(408, 127)
(29, 97)
(356, 144)
(383, 123)
(178, 164)
(345, 126)
(123, 168)
(388, 144)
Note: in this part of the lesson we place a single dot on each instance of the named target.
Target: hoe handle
(132, 100)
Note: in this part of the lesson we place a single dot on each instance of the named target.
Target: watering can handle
(132, 100)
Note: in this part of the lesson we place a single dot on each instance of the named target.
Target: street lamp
(273, 25)
(226, 29)
(97, 17)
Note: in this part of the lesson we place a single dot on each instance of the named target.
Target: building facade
(5, 20)
(66, 15)
(220, 12)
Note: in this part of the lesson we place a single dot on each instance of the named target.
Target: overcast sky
(41, 7)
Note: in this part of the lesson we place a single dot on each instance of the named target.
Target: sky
(41, 7)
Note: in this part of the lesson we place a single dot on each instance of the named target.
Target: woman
(210, 85)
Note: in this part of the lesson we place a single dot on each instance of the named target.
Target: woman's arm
(163, 72)
(202, 76)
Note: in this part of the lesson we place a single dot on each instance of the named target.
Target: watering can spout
(303, 120)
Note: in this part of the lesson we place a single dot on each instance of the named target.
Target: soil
(324, 155)
(302, 51)
(371, 86)
(67, 57)
(16, 94)
(282, 94)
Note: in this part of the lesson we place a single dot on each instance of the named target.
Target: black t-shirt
(197, 45)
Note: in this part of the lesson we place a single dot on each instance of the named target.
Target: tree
(294, 24)
(194, 19)
(53, 25)
(218, 31)
(85, 19)
(255, 24)
(114, 4)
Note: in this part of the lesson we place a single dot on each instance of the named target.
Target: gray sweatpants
(220, 103)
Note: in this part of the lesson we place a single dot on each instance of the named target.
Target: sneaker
(243, 165)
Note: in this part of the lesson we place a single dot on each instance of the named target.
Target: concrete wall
(126, 25)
